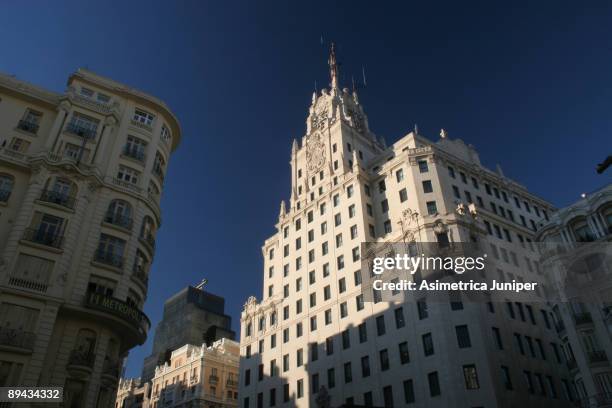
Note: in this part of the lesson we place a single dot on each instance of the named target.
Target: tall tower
(315, 340)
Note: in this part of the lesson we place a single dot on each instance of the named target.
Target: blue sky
(529, 86)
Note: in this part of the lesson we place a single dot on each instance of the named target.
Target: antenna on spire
(201, 284)
(333, 66)
(365, 83)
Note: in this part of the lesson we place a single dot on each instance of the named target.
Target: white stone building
(195, 377)
(312, 328)
(81, 174)
(583, 304)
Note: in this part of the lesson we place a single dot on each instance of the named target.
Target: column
(109, 123)
(57, 125)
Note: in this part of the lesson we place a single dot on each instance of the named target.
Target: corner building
(313, 329)
(81, 175)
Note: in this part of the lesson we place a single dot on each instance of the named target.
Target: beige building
(313, 327)
(81, 174)
(195, 377)
(583, 302)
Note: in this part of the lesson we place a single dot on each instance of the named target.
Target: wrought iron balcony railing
(17, 338)
(583, 318)
(108, 258)
(43, 237)
(121, 220)
(28, 126)
(81, 358)
(54, 197)
(149, 239)
(597, 356)
(134, 154)
(140, 274)
(81, 130)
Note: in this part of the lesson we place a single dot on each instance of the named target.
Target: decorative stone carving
(315, 152)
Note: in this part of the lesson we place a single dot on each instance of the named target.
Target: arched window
(119, 213)
(6, 186)
(147, 232)
(582, 230)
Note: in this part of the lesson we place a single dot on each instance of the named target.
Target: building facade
(583, 301)
(81, 177)
(203, 376)
(313, 341)
(191, 316)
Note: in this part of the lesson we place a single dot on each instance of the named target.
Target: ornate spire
(333, 66)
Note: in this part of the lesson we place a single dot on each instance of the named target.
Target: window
(365, 366)
(346, 339)
(82, 125)
(384, 359)
(428, 346)
(403, 352)
(408, 392)
(399, 175)
(384, 205)
(463, 336)
(300, 388)
(423, 168)
(110, 250)
(380, 325)
(359, 302)
(363, 332)
(427, 186)
(422, 309)
(471, 377)
(128, 175)
(399, 318)
(434, 384)
(6, 186)
(354, 232)
(432, 209)
(497, 338)
(348, 375)
(144, 117)
(387, 227)
(505, 371)
(403, 194)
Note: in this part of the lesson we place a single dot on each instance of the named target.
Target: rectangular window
(384, 360)
(403, 352)
(434, 384)
(428, 346)
(363, 333)
(432, 209)
(427, 186)
(463, 336)
(399, 318)
(471, 377)
(380, 325)
(408, 392)
(423, 168)
(365, 366)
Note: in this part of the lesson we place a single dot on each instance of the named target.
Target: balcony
(54, 197)
(43, 237)
(4, 195)
(111, 369)
(142, 125)
(80, 130)
(120, 220)
(28, 126)
(597, 356)
(108, 258)
(232, 383)
(159, 173)
(149, 239)
(29, 284)
(213, 379)
(80, 363)
(128, 313)
(17, 338)
(135, 154)
(141, 275)
(582, 318)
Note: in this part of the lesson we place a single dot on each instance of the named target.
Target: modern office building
(81, 174)
(194, 376)
(583, 299)
(192, 316)
(314, 339)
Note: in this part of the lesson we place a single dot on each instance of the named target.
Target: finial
(443, 133)
(294, 147)
(333, 66)
(283, 209)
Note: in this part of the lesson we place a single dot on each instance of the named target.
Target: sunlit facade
(81, 176)
(313, 340)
